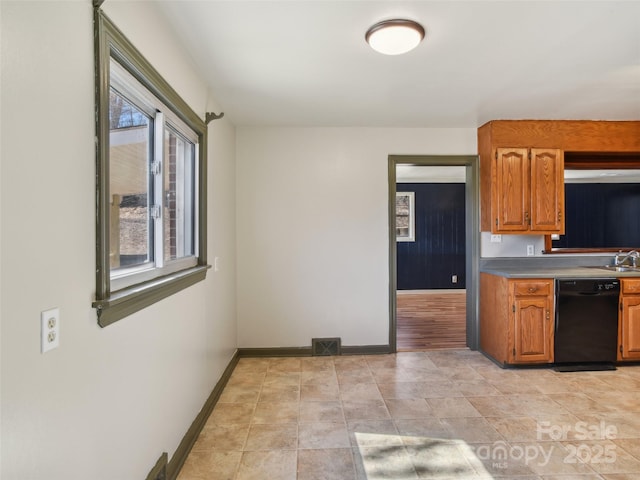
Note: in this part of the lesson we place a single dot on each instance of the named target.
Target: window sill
(132, 299)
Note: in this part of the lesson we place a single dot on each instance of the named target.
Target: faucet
(622, 258)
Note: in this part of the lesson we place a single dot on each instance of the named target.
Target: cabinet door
(547, 190)
(630, 327)
(511, 190)
(533, 333)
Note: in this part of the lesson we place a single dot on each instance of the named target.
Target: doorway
(433, 306)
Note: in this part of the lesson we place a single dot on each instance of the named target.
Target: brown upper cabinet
(522, 168)
(528, 194)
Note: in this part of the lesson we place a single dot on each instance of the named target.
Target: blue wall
(599, 215)
(439, 249)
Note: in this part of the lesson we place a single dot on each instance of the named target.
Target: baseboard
(182, 452)
(307, 351)
(159, 470)
(366, 350)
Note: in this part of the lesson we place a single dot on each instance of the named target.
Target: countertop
(558, 272)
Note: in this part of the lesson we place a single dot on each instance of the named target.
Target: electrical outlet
(49, 329)
(454, 278)
(496, 238)
(216, 264)
(530, 251)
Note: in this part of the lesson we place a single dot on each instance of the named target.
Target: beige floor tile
(272, 437)
(279, 393)
(440, 459)
(350, 362)
(625, 425)
(221, 438)
(232, 413)
(417, 430)
(385, 416)
(515, 386)
(281, 412)
(272, 465)
(355, 376)
(501, 460)
(323, 435)
(408, 408)
(474, 388)
(330, 411)
(211, 466)
(605, 457)
(630, 445)
(285, 364)
(326, 464)
(246, 378)
(320, 392)
(252, 365)
(452, 407)
(516, 429)
(619, 400)
(324, 377)
(495, 406)
(317, 364)
(579, 402)
(359, 392)
(471, 429)
(282, 378)
(373, 433)
(402, 390)
(387, 462)
(440, 389)
(464, 373)
(554, 458)
(365, 410)
(240, 393)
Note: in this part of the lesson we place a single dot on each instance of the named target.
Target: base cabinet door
(532, 324)
(630, 328)
(532, 333)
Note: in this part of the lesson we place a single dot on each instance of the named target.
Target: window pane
(129, 147)
(179, 199)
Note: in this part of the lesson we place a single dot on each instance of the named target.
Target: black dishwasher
(586, 329)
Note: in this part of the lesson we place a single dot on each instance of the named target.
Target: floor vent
(325, 346)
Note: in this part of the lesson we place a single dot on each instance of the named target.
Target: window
(151, 191)
(405, 217)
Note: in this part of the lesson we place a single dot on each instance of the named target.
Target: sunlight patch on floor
(410, 458)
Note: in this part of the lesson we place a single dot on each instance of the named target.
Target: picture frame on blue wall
(405, 217)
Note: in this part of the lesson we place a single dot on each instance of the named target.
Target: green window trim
(113, 306)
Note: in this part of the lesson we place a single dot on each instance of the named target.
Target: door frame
(472, 236)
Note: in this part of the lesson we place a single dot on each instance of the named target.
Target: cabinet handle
(548, 315)
(533, 289)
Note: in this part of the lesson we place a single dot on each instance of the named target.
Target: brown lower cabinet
(517, 319)
(629, 322)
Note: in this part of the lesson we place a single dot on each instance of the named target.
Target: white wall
(312, 229)
(107, 402)
(510, 245)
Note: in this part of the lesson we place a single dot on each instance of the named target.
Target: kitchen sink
(620, 268)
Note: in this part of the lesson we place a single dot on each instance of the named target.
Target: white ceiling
(305, 62)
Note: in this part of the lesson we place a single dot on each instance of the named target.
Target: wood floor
(431, 319)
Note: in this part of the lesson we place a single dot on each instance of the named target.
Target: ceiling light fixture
(394, 37)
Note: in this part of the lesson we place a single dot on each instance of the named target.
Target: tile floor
(448, 414)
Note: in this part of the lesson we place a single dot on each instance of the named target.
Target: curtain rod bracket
(97, 3)
(212, 116)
